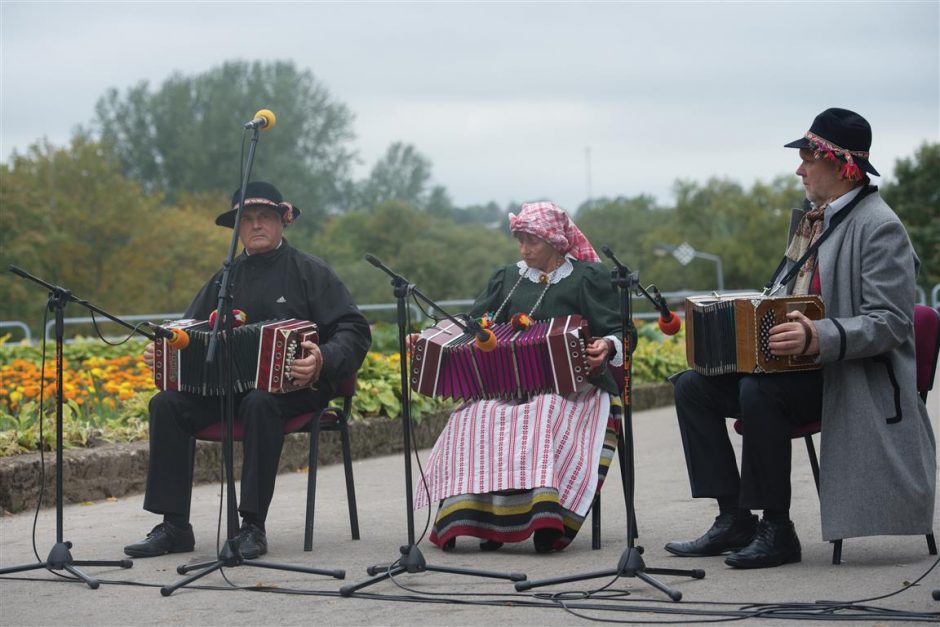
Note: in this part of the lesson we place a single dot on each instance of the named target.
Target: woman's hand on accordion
(598, 353)
(148, 355)
(306, 370)
(794, 338)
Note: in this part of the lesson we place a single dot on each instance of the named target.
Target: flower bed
(106, 389)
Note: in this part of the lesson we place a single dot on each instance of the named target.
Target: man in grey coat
(878, 453)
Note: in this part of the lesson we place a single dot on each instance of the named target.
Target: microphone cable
(406, 398)
(613, 602)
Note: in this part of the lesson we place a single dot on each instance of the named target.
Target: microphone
(484, 339)
(610, 255)
(264, 119)
(175, 338)
(669, 323)
(397, 279)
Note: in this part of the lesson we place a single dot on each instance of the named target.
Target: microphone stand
(60, 557)
(631, 561)
(411, 560)
(229, 555)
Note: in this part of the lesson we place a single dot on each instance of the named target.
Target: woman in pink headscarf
(507, 470)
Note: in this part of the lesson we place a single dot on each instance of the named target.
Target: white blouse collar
(534, 274)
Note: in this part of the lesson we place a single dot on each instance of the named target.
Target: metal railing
(16, 324)
(452, 306)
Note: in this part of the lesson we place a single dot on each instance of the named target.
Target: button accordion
(549, 356)
(730, 332)
(262, 355)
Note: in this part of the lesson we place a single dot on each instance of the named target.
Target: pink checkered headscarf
(550, 222)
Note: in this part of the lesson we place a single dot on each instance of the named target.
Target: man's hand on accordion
(306, 370)
(794, 338)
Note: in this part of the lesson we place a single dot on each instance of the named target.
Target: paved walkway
(871, 566)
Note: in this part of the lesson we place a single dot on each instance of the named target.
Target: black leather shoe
(252, 541)
(490, 545)
(774, 544)
(729, 532)
(544, 540)
(162, 539)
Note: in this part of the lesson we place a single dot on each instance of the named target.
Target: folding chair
(330, 418)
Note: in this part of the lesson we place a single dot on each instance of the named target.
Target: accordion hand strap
(773, 286)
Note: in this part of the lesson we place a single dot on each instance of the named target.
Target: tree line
(123, 215)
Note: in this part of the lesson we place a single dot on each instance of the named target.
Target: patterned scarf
(550, 222)
(807, 232)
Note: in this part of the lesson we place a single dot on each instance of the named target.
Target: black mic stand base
(229, 557)
(630, 565)
(60, 558)
(412, 561)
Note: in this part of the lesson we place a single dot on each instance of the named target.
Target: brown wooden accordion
(730, 332)
(262, 356)
(549, 356)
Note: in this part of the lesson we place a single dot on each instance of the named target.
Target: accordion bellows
(730, 333)
(549, 356)
(262, 354)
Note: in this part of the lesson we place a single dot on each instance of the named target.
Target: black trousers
(769, 406)
(176, 416)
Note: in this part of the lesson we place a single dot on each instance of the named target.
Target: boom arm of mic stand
(62, 294)
(400, 282)
(233, 245)
(466, 324)
(622, 273)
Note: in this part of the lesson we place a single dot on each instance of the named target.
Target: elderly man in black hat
(270, 280)
(878, 462)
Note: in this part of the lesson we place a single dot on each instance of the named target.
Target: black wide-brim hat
(259, 194)
(844, 133)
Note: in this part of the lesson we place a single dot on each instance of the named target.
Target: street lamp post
(684, 254)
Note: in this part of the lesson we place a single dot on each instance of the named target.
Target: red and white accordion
(730, 333)
(549, 356)
(262, 352)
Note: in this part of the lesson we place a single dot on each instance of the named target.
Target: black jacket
(287, 283)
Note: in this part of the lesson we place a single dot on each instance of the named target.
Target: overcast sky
(505, 99)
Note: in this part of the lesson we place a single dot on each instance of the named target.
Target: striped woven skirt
(515, 515)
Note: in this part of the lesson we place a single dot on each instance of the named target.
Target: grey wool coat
(878, 453)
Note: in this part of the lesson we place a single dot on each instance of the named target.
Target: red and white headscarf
(550, 222)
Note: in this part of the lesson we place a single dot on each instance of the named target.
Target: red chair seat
(216, 431)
